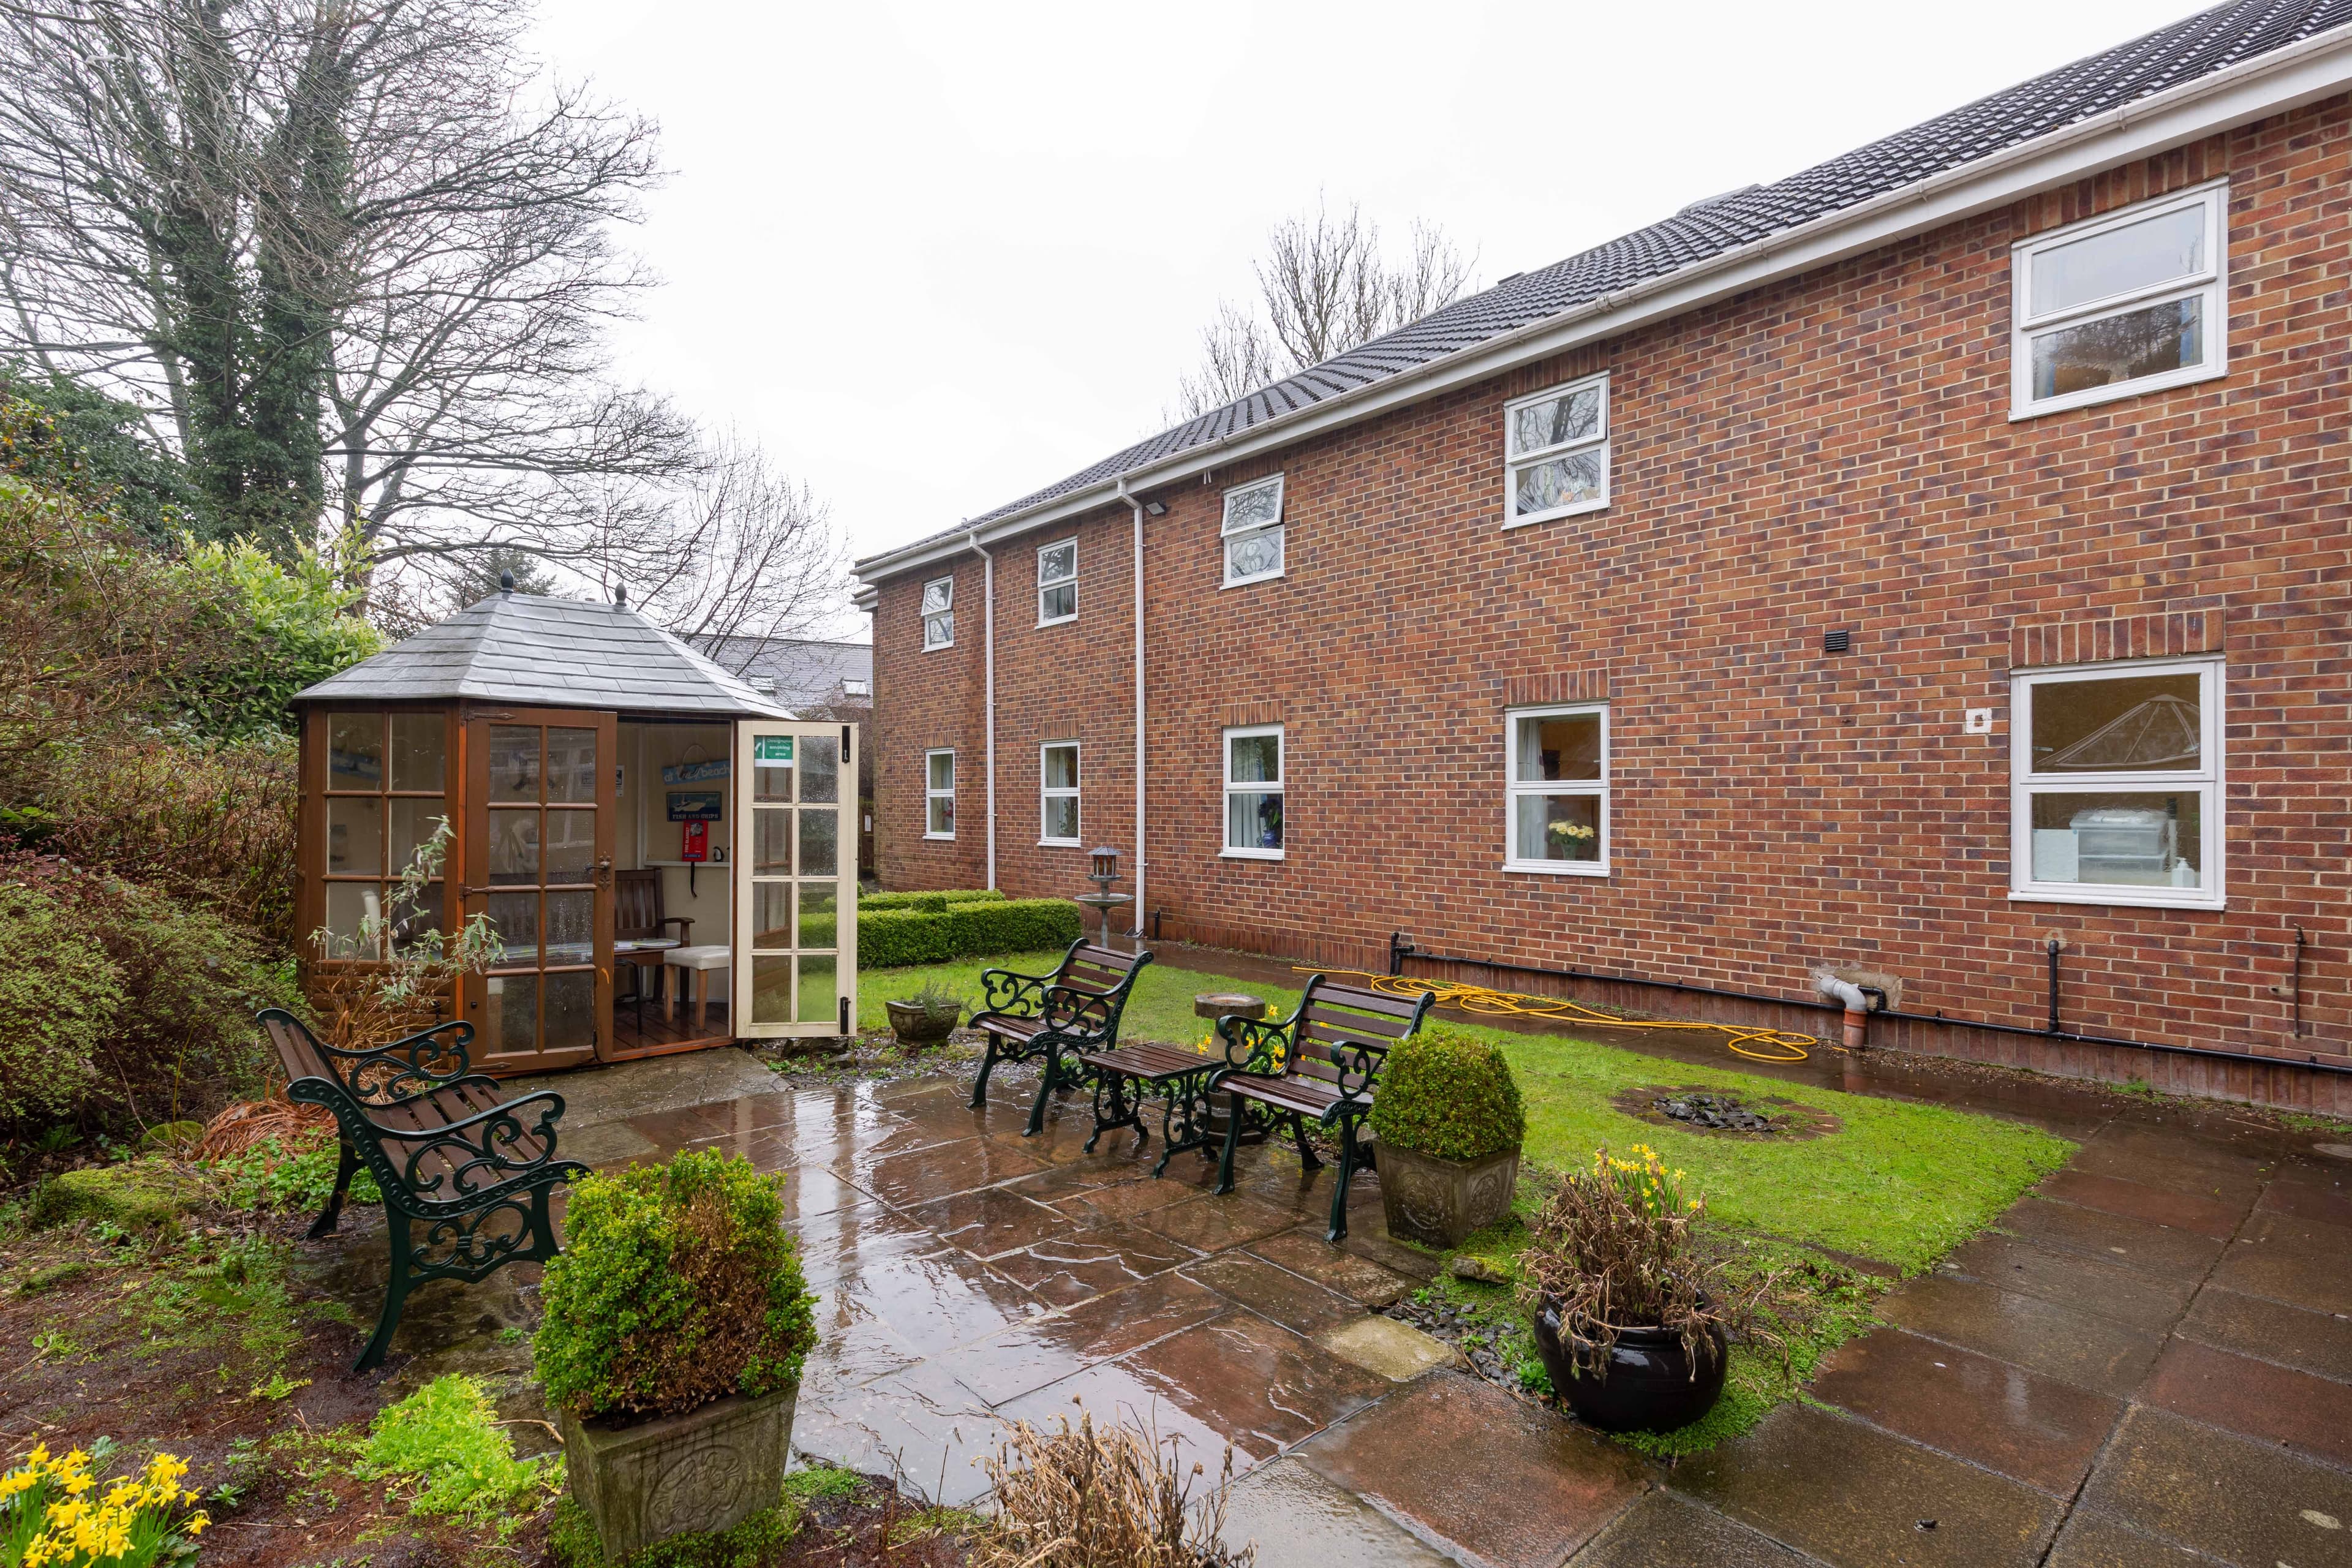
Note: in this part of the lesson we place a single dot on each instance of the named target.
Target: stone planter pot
(707, 1471)
(1439, 1202)
(919, 1025)
(1647, 1385)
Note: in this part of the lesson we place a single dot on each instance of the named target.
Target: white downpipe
(988, 683)
(1140, 859)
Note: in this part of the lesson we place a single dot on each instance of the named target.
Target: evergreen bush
(932, 900)
(897, 937)
(678, 1284)
(1448, 1095)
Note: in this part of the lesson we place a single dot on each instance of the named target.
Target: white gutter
(1140, 858)
(988, 682)
(2268, 84)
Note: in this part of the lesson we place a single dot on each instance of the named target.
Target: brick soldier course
(1828, 451)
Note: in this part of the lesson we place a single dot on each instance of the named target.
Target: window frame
(2212, 284)
(1070, 582)
(1280, 785)
(1048, 795)
(2209, 782)
(1227, 533)
(1605, 441)
(931, 792)
(945, 611)
(1514, 788)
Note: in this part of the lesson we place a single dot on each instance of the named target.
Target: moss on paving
(140, 1195)
(1900, 1184)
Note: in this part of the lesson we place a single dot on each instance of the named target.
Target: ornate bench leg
(1049, 1078)
(1125, 1112)
(1347, 1168)
(324, 1225)
(1306, 1151)
(987, 1066)
(395, 1292)
(1232, 1142)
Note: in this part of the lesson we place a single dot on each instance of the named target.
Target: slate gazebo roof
(540, 652)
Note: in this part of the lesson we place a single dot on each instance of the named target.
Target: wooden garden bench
(1322, 1061)
(1032, 1016)
(449, 1151)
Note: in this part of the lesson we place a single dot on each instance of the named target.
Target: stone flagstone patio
(2148, 1362)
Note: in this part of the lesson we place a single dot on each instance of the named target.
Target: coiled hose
(1481, 1001)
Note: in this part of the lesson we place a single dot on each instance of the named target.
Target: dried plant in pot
(1450, 1122)
(676, 1322)
(1632, 1317)
(926, 1017)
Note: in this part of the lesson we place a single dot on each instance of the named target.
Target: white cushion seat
(698, 960)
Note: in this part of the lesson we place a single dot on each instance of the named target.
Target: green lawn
(1901, 1183)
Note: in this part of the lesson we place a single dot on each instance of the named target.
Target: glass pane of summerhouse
(514, 762)
(420, 752)
(772, 990)
(415, 820)
(414, 921)
(820, 831)
(820, 915)
(771, 843)
(570, 846)
(771, 914)
(513, 1003)
(354, 835)
(514, 921)
(820, 1000)
(571, 766)
(571, 927)
(355, 751)
(820, 767)
(514, 846)
(571, 1011)
(349, 903)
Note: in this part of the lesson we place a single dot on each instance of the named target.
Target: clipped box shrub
(1449, 1094)
(894, 939)
(933, 900)
(1014, 925)
(678, 1284)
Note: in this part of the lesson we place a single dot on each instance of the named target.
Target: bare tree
(1324, 286)
(734, 549)
(351, 253)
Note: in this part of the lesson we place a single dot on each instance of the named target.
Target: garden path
(2150, 1362)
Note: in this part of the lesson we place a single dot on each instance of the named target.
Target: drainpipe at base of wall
(988, 682)
(1140, 859)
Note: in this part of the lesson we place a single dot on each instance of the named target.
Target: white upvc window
(1556, 452)
(1253, 532)
(2116, 781)
(939, 793)
(1558, 783)
(1057, 582)
(1254, 790)
(2121, 304)
(938, 614)
(1057, 790)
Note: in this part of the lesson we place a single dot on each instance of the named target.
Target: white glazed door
(796, 969)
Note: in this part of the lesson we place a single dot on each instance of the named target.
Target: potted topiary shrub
(1448, 1117)
(676, 1325)
(926, 1017)
(1629, 1316)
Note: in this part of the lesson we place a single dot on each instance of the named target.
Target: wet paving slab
(1990, 1413)
(2179, 1295)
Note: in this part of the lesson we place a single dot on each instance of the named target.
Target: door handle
(604, 870)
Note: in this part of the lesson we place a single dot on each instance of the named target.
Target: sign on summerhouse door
(795, 970)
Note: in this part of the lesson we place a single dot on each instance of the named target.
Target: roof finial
(620, 595)
(505, 581)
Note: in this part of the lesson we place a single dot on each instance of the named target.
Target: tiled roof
(549, 653)
(2197, 46)
(804, 674)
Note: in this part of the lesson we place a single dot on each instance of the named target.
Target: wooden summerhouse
(598, 776)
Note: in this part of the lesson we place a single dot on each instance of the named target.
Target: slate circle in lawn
(1724, 1113)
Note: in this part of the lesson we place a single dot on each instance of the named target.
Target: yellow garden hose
(1480, 1001)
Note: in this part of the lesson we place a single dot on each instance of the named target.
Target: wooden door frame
(845, 880)
(473, 861)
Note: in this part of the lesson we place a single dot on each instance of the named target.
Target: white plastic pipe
(1140, 858)
(988, 682)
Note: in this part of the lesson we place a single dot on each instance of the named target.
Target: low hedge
(892, 937)
(934, 902)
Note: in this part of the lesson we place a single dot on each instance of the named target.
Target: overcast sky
(937, 255)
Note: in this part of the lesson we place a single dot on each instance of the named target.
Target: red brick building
(1897, 568)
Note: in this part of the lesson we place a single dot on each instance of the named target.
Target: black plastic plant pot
(1649, 1386)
